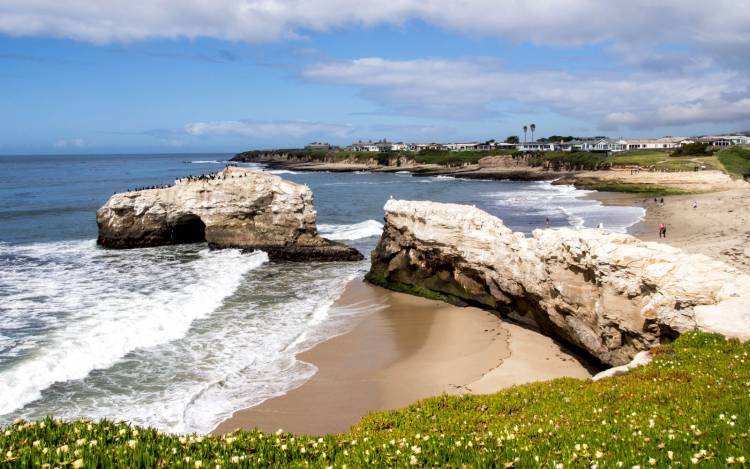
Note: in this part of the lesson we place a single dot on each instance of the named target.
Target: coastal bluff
(610, 295)
(235, 208)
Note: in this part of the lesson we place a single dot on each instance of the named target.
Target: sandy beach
(716, 224)
(411, 349)
(415, 348)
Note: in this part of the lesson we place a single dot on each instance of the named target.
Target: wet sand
(411, 349)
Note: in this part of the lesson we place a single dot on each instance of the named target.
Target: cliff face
(609, 294)
(238, 208)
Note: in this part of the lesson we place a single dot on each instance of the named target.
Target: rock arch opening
(189, 229)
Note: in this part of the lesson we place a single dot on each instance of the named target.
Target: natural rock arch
(187, 229)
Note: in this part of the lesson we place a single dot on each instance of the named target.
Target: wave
(87, 308)
(281, 171)
(365, 229)
(206, 162)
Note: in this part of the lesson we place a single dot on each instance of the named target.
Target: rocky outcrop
(236, 208)
(611, 295)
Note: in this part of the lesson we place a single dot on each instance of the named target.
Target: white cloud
(548, 22)
(459, 88)
(267, 129)
(70, 143)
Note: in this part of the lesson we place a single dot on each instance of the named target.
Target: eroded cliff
(611, 295)
(236, 208)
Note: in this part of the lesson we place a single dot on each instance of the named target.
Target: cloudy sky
(228, 75)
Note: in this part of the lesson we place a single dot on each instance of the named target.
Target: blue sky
(229, 75)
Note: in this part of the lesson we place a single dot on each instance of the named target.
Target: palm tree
(533, 128)
(525, 129)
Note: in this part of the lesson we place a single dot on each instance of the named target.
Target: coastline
(716, 224)
(412, 349)
(416, 348)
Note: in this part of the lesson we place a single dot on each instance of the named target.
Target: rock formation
(611, 295)
(236, 208)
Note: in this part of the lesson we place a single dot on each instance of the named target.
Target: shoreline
(391, 359)
(412, 349)
(715, 224)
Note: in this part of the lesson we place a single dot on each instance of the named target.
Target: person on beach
(662, 231)
(546, 222)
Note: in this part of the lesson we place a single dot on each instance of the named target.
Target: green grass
(689, 407)
(456, 158)
(663, 161)
(634, 188)
(736, 161)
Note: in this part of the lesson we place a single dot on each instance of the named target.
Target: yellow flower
(198, 464)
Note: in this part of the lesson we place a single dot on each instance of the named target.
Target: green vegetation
(380, 280)
(633, 188)
(693, 149)
(455, 158)
(440, 157)
(736, 161)
(688, 407)
(573, 160)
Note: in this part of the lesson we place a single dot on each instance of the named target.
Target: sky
(167, 76)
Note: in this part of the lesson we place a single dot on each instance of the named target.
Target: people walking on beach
(662, 231)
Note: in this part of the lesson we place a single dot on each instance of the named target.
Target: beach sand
(410, 349)
(719, 226)
(415, 348)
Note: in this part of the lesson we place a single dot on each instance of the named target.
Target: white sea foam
(175, 337)
(99, 305)
(207, 162)
(365, 229)
(544, 199)
(282, 171)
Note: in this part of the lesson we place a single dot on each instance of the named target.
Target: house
(429, 146)
(535, 147)
(664, 143)
(318, 146)
(461, 146)
(364, 146)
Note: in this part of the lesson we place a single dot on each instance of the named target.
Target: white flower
(198, 463)
(9, 454)
(730, 460)
(652, 461)
(123, 431)
(559, 465)
(78, 463)
(131, 443)
(413, 460)
(598, 454)
(279, 431)
(670, 455)
(36, 443)
(235, 459)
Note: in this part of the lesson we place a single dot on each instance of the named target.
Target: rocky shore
(235, 208)
(610, 295)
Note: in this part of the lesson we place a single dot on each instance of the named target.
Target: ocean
(179, 337)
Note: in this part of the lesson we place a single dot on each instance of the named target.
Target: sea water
(179, 337)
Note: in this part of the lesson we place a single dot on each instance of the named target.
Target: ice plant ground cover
(690, 406)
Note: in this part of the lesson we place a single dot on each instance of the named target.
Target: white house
(534, 147)
(664, 143)
(461, 146)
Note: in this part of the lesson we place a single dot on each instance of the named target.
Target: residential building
(461, 146)
(318, 146)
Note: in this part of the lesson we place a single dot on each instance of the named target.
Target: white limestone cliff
(236, 208)
(611, 295)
